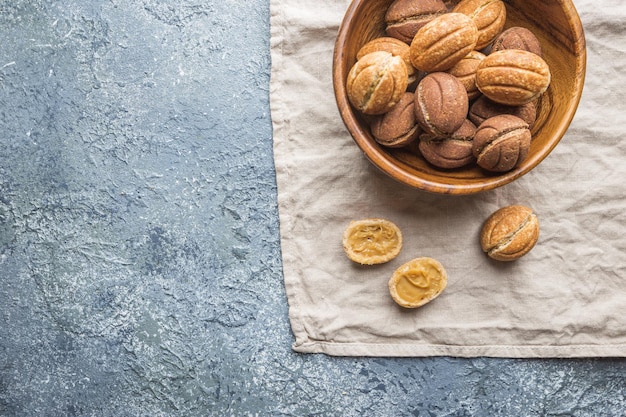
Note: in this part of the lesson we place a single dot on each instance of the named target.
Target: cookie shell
(372, 241)
(417, 282)
(510, 233)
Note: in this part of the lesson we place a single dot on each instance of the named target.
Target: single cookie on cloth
(372, 241)
(417, 282)
(376, 82)
(509, 233)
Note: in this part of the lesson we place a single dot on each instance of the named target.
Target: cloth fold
(566, 298)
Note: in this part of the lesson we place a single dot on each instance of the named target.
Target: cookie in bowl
(555, 97)
(376, 82)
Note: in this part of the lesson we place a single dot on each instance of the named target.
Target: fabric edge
(278, 116)
(494, 351)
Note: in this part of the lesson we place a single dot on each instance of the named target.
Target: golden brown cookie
(465, 71)
(513, 77)
(395, 47)
(372, 241)
(488, 15)
(376, 82)
(417, 282)
(443, 42)
(509, 233)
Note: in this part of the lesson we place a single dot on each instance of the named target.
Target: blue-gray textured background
(140, 268)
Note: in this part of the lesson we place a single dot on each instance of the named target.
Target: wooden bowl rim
(433, 183)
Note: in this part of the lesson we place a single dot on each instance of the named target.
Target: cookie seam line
(502, 243)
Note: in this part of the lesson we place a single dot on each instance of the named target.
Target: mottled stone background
(140, 268)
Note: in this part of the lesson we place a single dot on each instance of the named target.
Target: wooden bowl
(557, 26)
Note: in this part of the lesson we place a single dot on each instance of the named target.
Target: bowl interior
(557, 26)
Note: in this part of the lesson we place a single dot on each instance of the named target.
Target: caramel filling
(418, 282)
(373, 240)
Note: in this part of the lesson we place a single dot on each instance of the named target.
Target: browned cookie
(483, 108)
(405, 17)
(376, 82)
(509, 233)
(441, 104)
(398, 127)
(513, 77)
(392, 45)
(465, 71)
(501, 143)
(451, 152)
(488, 15)
(443, 42)
(517, 38)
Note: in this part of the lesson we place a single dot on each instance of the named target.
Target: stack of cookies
(449, 81)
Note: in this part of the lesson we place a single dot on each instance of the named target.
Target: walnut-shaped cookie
(441, 104)
(465, 71)
(450, 152)
(509, 233)
(513, 77)
(501, 143)
(443, 42)
(398, 127)
(488, 15)
(483, 108)
(376, 82)
(405, 17)
(395, 47)
(517, 38)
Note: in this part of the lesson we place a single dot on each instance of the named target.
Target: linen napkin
(566, 298)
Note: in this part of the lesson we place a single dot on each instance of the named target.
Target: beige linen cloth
(566, 298)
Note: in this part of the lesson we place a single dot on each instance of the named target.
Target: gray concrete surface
(140, 269)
